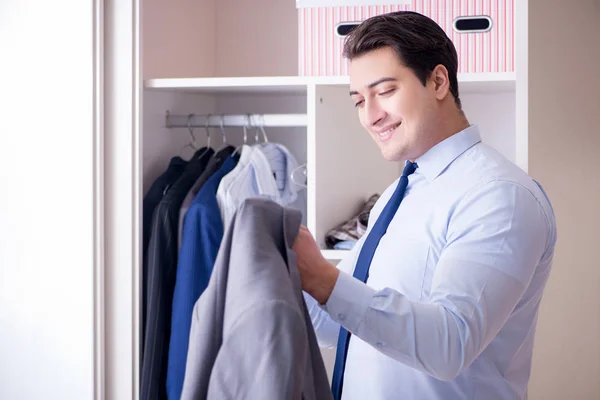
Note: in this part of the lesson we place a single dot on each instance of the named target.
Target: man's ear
(441, 82)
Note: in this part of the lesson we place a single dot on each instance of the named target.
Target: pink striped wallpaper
(492, 51)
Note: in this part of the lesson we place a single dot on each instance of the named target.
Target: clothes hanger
(207, 149)
(245, 127)
(192, 143)
(224, 138)
(262, 129)
(256, 138)
(293, 175)
(223, 131)
(298, 168)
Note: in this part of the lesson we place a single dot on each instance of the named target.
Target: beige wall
(564, 154)
(178, 38)
(246, 43)
(205, 38)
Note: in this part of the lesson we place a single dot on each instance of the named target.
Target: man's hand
(318, 276)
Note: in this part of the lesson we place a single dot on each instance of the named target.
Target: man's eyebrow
(373, 84)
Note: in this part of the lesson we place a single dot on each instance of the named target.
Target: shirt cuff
(349, 301)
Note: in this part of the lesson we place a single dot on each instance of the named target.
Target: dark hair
(420, 43)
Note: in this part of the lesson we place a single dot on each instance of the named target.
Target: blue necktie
(361, 271)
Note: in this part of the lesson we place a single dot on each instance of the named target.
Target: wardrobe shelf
(471, 82)
(232, 85)
(334, 255)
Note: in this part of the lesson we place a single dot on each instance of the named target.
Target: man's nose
(374, 114)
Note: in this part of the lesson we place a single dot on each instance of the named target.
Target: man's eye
(359, 103)
(386, 92)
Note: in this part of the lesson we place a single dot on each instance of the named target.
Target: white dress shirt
(281, 163)
(451, 303)
(262, 171)
(228, 180)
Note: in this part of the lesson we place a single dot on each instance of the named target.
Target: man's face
(393, 105)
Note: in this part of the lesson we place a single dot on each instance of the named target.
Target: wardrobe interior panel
(349, 167)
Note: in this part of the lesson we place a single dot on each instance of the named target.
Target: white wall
(564, 150)
(46, 200)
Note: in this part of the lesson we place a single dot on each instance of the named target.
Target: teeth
(389, 130)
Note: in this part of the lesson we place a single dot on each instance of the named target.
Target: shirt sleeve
(327, 329)
(496, 237)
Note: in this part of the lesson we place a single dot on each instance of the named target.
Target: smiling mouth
(388, 133)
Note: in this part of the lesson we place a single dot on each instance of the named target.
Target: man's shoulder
(492, 173)
(485, 165)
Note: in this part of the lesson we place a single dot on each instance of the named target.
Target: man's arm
(495, 240)
(326, 329)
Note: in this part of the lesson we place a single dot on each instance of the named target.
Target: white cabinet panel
(48, 236)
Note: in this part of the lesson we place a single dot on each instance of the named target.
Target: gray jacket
(251, 336)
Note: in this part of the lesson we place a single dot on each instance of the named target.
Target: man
(453, 287)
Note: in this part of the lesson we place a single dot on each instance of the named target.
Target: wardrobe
(232, 66)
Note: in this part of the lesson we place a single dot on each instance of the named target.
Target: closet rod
(248, 120)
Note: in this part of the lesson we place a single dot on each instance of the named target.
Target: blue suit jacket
(202, 235)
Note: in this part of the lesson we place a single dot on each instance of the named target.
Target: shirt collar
(289, 192)
(266, 183)
(435, 160)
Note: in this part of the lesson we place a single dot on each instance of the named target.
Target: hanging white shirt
(228, 180)
(283, 164)
(254, 176)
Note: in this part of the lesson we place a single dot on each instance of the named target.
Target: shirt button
(379, 344)
(342, 317)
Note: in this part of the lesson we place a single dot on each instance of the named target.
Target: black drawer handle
(344, 28)
(475, 24)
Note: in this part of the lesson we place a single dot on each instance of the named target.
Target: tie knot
(409, 168)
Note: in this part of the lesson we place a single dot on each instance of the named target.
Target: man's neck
(448, 126)
(454, 123)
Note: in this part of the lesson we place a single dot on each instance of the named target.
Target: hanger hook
(190, 116)
(223, 131)
(262, 128)
(206, 125)
(256, 132)
(246, 127)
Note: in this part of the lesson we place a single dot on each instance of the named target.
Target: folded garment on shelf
(353, 228)
(344, 245)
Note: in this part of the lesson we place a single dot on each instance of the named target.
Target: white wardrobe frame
(120, 191)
